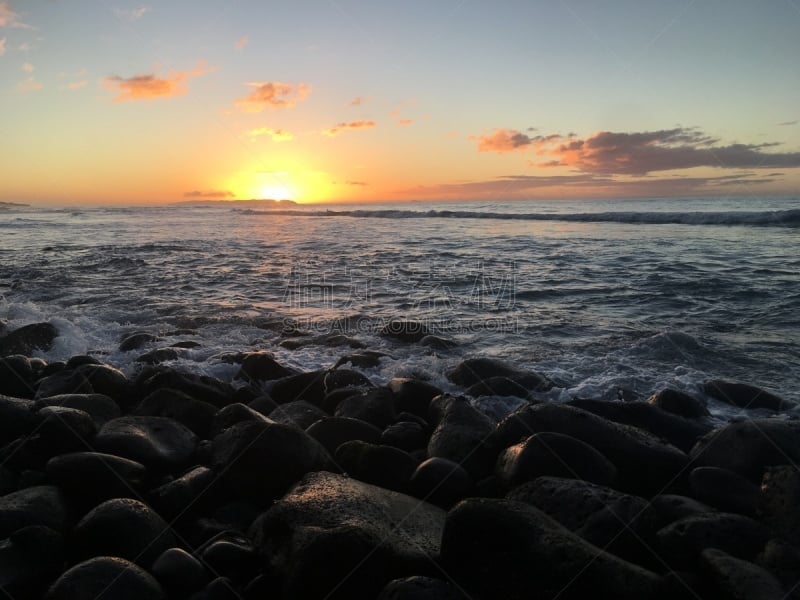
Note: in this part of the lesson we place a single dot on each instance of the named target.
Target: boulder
(375, 407)
(336, 379)
(679, 403)
(105, 380)
(29, 559)
(300, 414)
(231, 555)
(233, 414)
(335, 431)
(405, 331)
(510, 550)
(462, 436)
(95, 477)
(367, 359)
(66, 381)
(498, 386)
(27, 339)
(262, 366)
(39, 505)
(333, 537)
(441, 482)
(413, 395)
(64, 429)
(684, 540)
(135, 341)
(179, 573)
(779, 506)
(191, 494)
(406, 435)
(738, 579)
(16, 376)
(16, 419)
(301, 386)
(200, 387)
(723, 489)
(106, 578)
(100, 407)
(783, 560)
(196, 415)
(384, 466)
(744, 395)
(475, 370)
(418, 587)
(159, 443)
(672, 507)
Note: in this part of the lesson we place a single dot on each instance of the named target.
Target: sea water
(608, 298)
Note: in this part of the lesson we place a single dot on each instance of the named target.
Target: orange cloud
(277, 135)
(242, 42)
(510, 140)
(357, 101)
(147, 87)
(404, 122)
(2, 46)
(77, 85)
(273, 94)
(8, 18)
(341, 127)
(29, 85)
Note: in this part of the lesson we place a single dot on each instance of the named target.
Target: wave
(772, 218)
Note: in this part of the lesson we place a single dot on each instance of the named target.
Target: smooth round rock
(375, 407)
(300, 414)
(335, 431)
(384, 466)
(413, 395)
(179, 572)
(679, 403)
(419, 588)
(96, 475)
(441, 482)
(194, 414)
(39, 505)
(106, 578)
(723, 489)
(100, 407)
(158, 443)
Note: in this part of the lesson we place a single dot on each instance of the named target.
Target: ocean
(611, 298)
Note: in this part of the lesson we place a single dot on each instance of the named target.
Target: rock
(335, 431)
(681, 433)
(405, 331)
(196, 415)
(95, 476)
(29, 558)
(556, 454)
(105, 380)
(383, 466)
(299, 413)
(462, 436)
(744, 395)
(406, 435)
(435, 342)
(737, 579)
(302, 386)
(441, 482)
(186, 345)
(199, 387)
(685, 539)
(100, 407)
(261, 366)
(233, 414)
(178, 572)
(16, 376)
(64, 429)
(475, 370)
(724, 489)
(782, 560)
(413, 395)
(333, 537)
(672, 507)
(263, 404)
(124, 528)
(260, 461)
(158, 356)
(82, 359)
(231, 555)
(67, 381)
(159, 443)
(106, 578)
(510, 550)
(193, 493)
(419, 588)
(644, 463)
(497, 386)
(375, 407)
(221, 588)
(39, 505)
(27, 339)
(16, 419)
(679, 403)
(135, 341)
(779, 504)
(336, 379)
(363, 360)
(622, 524)
(332, 400)
(749, 447)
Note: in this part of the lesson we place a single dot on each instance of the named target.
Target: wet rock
(779, 506)
(39, 505)
(158, 356)
(16, 376)
(413, 395)
(159, 443)
(221, 588)
(191, 494)
(475, 370)
(261, 366)
(384, 466)
(672, 507)
(435, 342)
(124, 528)
(135, 341)
(441, 482)
(260, 461)
(302, 386)
(681, 433)
(782, 560)
(178, 572)
(497, 386)
(405, 331)
(199, 387)
(333, 537)
(100, 407)
(737, 579)
(263, 404)
(233, 414)
(749, 447)
(106, 578)
(300, 414)
(81, 359)
(363, 360)
(685, 539)
(503, 549)
(165, 402)
(186, 345)
(556, 454)
(375, 407)
(67, 381)
(335, 431)
(333, 399)
(29, 559)
(105, 380)
(419, 588)
(678, 403)
(462, 436)
(28, 339)
(337, 379)
(16, 418)
(95, 476)
(406, 435)
(64, 429)
(744, 395)
(644, 463)
(231, 555)
(725, 490)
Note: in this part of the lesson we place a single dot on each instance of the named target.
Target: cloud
(273, 94)
(209, 194)
(787, 123)
(241, 43)
(357, 101)
(131, 14)
(2, 46)
(148, 86)
(404, 122)
(277, 135)
(29, 85)
(77, 85)
(356, 183)
(28, 68)
(510, 140)
(342, 127)
(8, 18)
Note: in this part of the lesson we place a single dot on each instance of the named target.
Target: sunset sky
(117, 101)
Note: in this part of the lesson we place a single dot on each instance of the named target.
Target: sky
(129, 102)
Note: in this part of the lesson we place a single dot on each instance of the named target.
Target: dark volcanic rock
(644, 463)
(299, 414)
(335, 431)
(97, 476)
(475, 370)
(199, 387)
(497, 386)
(749, 446)
(29, 559)
(231, 555)
(413, 395)
(406, 435)
(16, 376)
(337, 379)
(179, 572)
(260, 461)
(105, 380)
(419, 588)
(16, 418)
(165, 402)
(383, 466)
(27, 339)
(100, 407)
(405, 331)
(364, 360)
(461, 436)
(780, 501)
(159, 443)
(233, 414)
(261, 366)
(124, 528)
(40, 505)
(158, 356)
(782, 560)
(685, 539)
(135, 341)
(333, 537)
(672, 507)
(441, 482)
(678, 431)
(503, 549)
(744, 395)
(375, 406)
(106, 578)
(725, 490)
(188, 495)
(738, 579)
(67, 381)
(64, 429)
(556, 454)
(302, 386)
(679, 403)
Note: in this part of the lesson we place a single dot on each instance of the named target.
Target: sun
(275, 192)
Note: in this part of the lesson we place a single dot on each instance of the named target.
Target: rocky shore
(321, 485)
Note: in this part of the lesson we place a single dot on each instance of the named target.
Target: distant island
(261, 203)
(10, 205)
